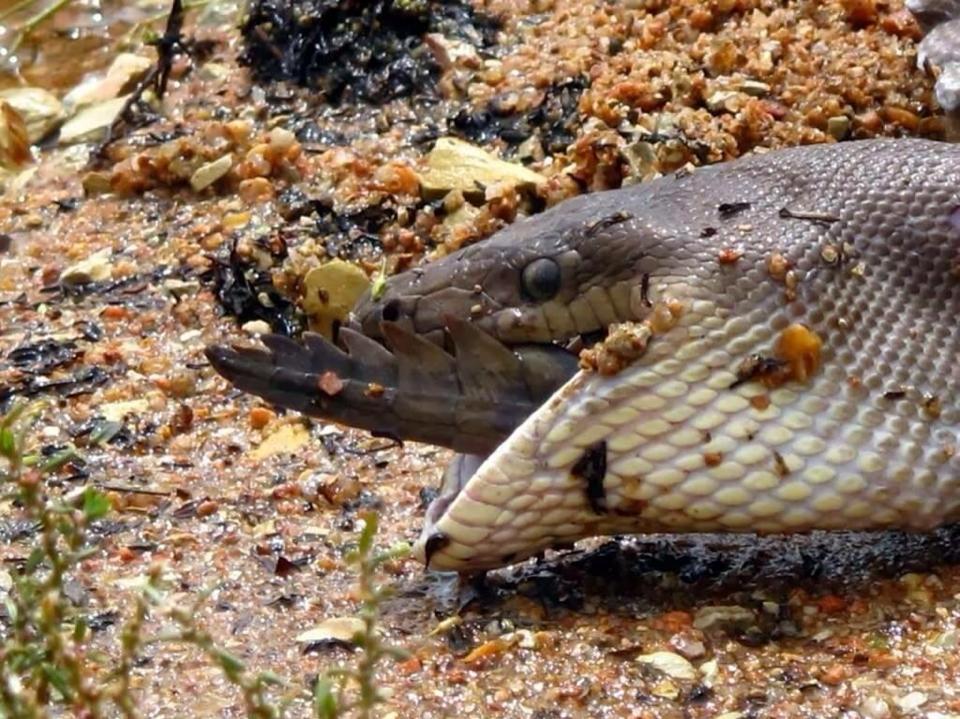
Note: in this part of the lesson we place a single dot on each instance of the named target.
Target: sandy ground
(262, 506)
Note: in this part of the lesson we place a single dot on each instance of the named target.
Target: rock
(673, 665)
(754, 88)
(911, 702)
(256, 327)
(208, 173)
(665, 690)
(286, 440)
(121, 78)
(96, 268)
(687, 646)
(335, 629)
(118, 411)
(946, 639)
(331, 291)
(457, 165)
(875, 707)
(726, 101)
(41, 111)
(724, 617)
(96, 183)
(91, 123)
(450, 53)
(838, 126)
(180, 288)
(709, 671)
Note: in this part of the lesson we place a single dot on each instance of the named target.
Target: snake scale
(790, 359)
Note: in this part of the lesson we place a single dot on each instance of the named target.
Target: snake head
(543, 279)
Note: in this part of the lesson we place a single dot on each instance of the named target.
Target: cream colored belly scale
(869, 441)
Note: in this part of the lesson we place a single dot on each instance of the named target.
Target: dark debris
(357, 50)
(247, 292)
(555, 121)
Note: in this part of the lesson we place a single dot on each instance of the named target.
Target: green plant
(332, 698)
(43, 653)
(42, 659)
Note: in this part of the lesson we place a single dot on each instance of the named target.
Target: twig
(168, 45)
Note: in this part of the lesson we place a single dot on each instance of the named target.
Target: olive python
(767, 345)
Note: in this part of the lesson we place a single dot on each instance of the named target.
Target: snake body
(855, 246)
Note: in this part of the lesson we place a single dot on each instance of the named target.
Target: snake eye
(540, 280)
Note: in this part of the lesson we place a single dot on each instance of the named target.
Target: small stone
(207, 507)
(255, 189)
(96, 268)
(457, 165)
(911, 702)
(947, 639)
(91, 123)
(41, 110)
(875, 707)
(207, 174)
(96, 183)
(288, 439)
(256, 327)
(754, 88)
(180, 288)
(260, 417)
(665, 690)
(687, 646)
(724, 617)
(335, 629)
(726, 101)
(673, 665)
(118, 411)
(124, 73)
(450, 53)
(838, 126)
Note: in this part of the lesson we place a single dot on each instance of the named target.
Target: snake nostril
(391, 311)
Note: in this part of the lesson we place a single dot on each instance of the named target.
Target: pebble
(124, 73)
(286, 440)
(208, 173)
(911, 702)
(95, 268)
(207, 507)
(260, 417)
(687, 646)
(875, 707)
(91, 123)
(724, 617)
(673, 665)
(754, 88)
(838, 126)
(457, 165)
(256, 327)
(41, 111)
(180, 288)
(339, 629)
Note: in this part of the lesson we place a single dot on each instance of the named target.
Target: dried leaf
(14, 140)
(331, 291)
